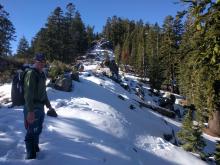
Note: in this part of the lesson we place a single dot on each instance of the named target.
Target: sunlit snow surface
(94, 127)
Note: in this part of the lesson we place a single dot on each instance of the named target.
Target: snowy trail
(94, 127)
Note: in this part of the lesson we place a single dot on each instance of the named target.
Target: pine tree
(126, 50)
(40, 44)
(55, 31)
(64, 37)
(80, 35)
(117, 52)
(90, 35)
(167, 49)
(6, 33)
(217, 153)
(186, 60)
(23, 48)
(140, 47)
(70, 46)
(71, 11)
(155, 72)
(115, 30)
(171, 37)
(107, 30)
(205, 59)
(134, 52)
(190, 135)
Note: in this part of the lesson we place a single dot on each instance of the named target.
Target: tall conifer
(6, 33)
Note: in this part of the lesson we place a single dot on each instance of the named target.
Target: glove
(51, 112)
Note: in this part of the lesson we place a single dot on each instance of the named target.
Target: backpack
(17, 89)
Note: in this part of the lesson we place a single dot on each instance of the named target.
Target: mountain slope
(94, 127)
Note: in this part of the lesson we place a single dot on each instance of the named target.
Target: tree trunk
(161, 110)
(214, 123)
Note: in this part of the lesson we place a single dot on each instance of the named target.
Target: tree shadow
(89, 145)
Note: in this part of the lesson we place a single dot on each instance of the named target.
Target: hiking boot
(30, 155)
(37, 149)
(30, 149)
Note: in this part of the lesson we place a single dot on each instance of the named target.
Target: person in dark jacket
(35, 96)
(114, 69)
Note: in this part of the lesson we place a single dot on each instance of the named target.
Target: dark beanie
(39, 57)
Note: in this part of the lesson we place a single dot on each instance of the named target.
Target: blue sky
(28, 16)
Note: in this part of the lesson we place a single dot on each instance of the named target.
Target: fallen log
(161, 110)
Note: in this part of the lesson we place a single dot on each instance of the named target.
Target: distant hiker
(112, 66)
(79, 67)
(35, 96)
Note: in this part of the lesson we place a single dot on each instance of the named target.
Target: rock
(121, 97)
(63, 84)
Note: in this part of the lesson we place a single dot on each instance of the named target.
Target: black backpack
(17, 89)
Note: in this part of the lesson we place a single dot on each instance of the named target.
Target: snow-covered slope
(94, 127)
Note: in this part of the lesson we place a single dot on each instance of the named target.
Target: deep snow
(94, 127)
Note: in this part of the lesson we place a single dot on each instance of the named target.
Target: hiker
(35, 96)
(112, 66)
(114, 69)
